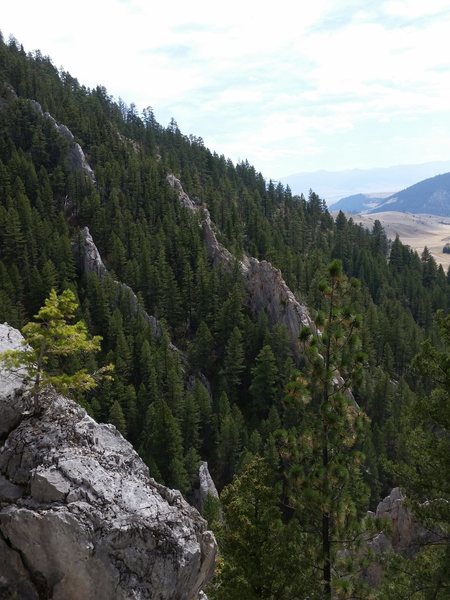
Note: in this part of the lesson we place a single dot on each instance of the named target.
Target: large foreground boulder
(80, 517)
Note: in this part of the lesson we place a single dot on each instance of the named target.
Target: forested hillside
(231, 394)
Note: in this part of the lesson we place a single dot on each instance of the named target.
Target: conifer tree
(234, 364)
(261, 555)
(49, 344)
(117, 418)
(264, 384)
(201, 351)
(425, 477)
(190, 422)
(163, 445)
(324, 469)
(229, 439)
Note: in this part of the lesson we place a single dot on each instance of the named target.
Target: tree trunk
(326, 548)
(326, 543)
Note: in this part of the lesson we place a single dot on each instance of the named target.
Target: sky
(290, 86)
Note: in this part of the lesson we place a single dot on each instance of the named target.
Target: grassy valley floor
(417, 231)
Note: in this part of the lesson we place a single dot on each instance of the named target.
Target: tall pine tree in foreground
(321, 457)
(293, 521)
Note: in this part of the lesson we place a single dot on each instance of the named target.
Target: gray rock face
(90, 261)
(405, 537)
(407, 534)
(80, 517)
(217, 253)
(7, 94)
(265, 285)
(206, 487)
(77, 158)
(79, 161)
(182, 196)
(13, 386)
(268, 291)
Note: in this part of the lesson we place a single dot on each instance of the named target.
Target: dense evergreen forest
(234, 395)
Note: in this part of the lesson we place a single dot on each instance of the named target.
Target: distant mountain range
(431, 196)
(333, 185)
(359, 203)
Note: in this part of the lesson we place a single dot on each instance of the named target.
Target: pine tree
(201, 351)
(50, 343)
(261, 557)
(163, 446)
(233, 364)
(230, 440)
(264, 383)
(190, 422)
(117, 418)
(323, 464)
(425, 476)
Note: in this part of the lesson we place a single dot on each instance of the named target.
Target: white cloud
(281, 84)
(415, 9)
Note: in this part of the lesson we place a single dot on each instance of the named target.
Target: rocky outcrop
(268, 291)
(13, 385)
(89, 256)
(77, 158)
(182, 196)
(80, 516)
(406, 534)
(265, 285)
(217, 253)
(90, 261)
(403, 534)
(7, 94)
(206, 488)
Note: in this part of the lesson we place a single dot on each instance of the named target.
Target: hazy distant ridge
(431, 196)
(359, 203)
(334, 185)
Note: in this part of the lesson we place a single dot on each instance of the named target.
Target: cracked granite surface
(80, 517)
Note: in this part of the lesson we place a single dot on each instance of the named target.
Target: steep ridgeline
(266, 288)
(89, 258)
(267, 291)
(90, 261)
(80, 517)
(77, 160)
(145, 371)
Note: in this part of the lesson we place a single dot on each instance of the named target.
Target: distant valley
(419, 214)
(417, 231)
